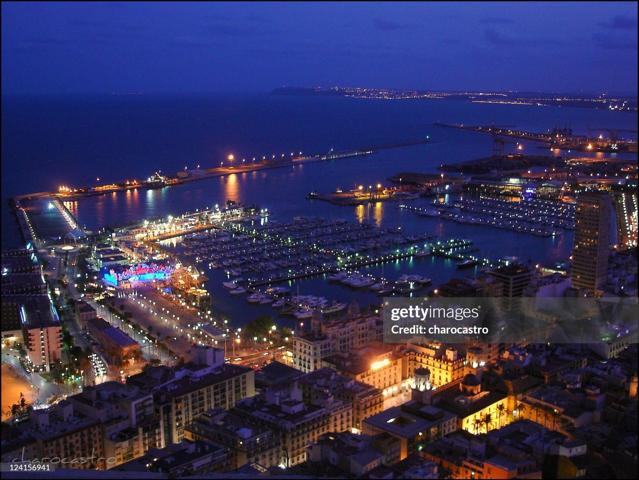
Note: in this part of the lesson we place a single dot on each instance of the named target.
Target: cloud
(388, 25)
(620, 22)
(614, 42)
(496, 20)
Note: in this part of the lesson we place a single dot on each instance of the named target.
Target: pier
(363, 195)
(229, 166)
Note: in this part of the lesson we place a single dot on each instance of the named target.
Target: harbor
(228, 166)
(538, 217)
(264, 261)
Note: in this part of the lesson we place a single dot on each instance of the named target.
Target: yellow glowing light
(231, 157)
(589, 147)
(380, 364)
(361, 187)
(379, 185)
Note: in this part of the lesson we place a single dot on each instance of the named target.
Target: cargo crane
(499, 141)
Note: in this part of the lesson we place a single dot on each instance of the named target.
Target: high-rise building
(514, 278)
(42, 332)
(625, 201)
(182, 394)
(592, 241)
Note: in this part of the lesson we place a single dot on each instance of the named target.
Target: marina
(262, 260)
(535, 216)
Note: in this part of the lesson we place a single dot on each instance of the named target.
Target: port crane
(499, 141)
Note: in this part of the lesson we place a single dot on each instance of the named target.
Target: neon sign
(141, 273)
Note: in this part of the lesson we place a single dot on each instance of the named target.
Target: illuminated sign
(141, 273)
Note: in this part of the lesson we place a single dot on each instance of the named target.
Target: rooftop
(409, 420)
(330, 380)
(276, 373)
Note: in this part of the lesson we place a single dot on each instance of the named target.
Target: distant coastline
(621, 103)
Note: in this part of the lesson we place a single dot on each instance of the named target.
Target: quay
(362, 195)
(226, 167)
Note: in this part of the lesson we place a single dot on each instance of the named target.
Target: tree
(259, 327)
(477, 424)
(21, 408)
(487, 421)
(500, 411)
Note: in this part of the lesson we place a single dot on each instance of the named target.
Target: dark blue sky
(200, 47)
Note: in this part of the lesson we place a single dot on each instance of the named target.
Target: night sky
(57, 48)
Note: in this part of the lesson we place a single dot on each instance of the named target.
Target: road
(44, 390)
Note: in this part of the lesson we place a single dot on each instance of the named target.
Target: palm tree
(500, 411)
(488, 420)
(477, 424)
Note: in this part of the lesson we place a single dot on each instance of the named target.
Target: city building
(366, 400)
(179, 460)
(592, 241)
(352, 454)
(84, 312)
(514, 278)
(462, 455)
(298, 424)
(183, 393)
(60, 433)
(561, 409)
(444, 363)
(19, 261)
(42, 332)
(117, 346)
(483, 286)
(378, 365)
(413, 424)
(328, 337)
(24, 290)
(10, 323)
(130, 426)
(625, 203)
(478, 410)
(276, 375)
(246, 443)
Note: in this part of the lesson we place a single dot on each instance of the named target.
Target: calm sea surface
(51, 141)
